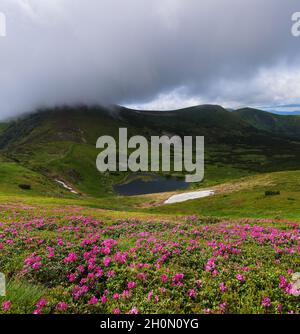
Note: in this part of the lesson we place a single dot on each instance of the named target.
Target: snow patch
(66, 186)
(188, 196)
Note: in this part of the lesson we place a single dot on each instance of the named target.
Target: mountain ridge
(59, 143)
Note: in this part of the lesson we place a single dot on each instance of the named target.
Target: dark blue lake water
(151, 185)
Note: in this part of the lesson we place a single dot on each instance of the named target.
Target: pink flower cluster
(132, 266)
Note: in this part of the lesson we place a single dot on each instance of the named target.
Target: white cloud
(175, 99)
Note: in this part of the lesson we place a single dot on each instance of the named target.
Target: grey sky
(153, 54)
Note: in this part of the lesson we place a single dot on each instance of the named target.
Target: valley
(240, 165)
(74, 241)
(60, 144)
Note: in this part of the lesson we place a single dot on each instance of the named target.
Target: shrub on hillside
(272, 193)
(25, 186)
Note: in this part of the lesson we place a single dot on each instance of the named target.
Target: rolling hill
(59, 143)
(282, 126)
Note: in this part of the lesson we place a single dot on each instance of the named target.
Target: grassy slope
(65, 150)
(60, 143)
(57, 146)
(13, 174)
(246, 198)
(284, 126)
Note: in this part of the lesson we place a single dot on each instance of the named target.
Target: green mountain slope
(283, 126)
(13, 178)
(246, 198)
(60, 143)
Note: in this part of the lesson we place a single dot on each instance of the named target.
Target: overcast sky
(159, 54)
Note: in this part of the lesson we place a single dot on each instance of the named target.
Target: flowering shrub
(190, 266)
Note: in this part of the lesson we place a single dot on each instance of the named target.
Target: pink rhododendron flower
(72, 257)
(266, 302)
(215, 273)
(192, 293)
(134, 310)
(177, 278)
(61, 306)
(98, 272)
(164, 278)
(283, 282)
(150, 295)
(110, 274)
(107, 261)
(121, 257)
(223, 287)
(80, 268)
(210, 265)
(222, 307)
(126, 294)
(131, 285)
(240, 278)
(116, 296)
(51, 252)
(116, 311)
(37, 311)
(40, 305)
(163, 290)
(93, 301)
(6, 305)
(36, 266)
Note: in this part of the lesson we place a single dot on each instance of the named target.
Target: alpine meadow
(149, 158)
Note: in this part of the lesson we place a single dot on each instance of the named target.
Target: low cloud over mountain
(155, 54)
